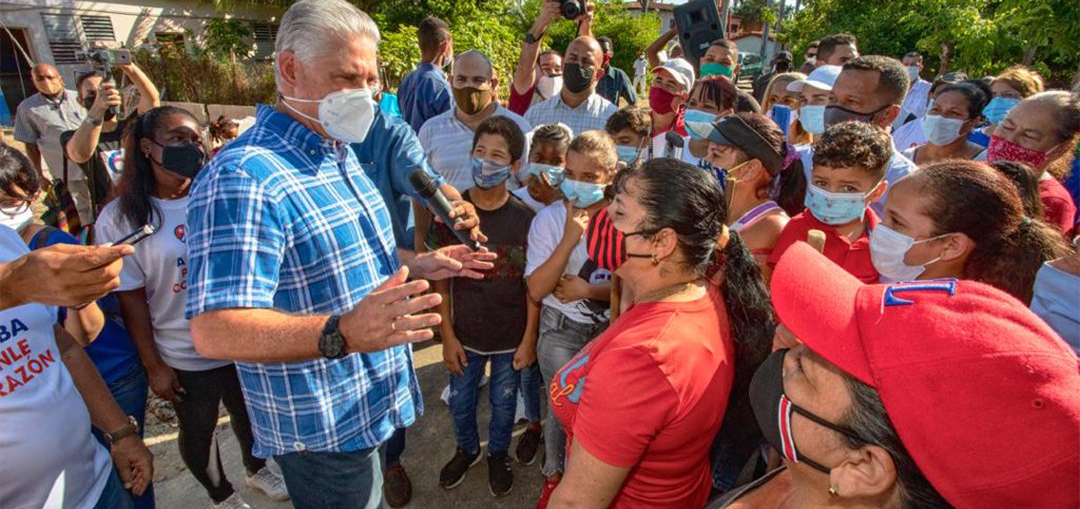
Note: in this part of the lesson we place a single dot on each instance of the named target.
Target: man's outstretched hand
(452, 261)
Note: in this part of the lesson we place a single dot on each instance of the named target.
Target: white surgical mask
(941, 130)
(549, 86)
(888, 248)
(18, 221)
(913, 72)
(345, 115)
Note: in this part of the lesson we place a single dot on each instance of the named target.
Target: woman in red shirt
(643, 401)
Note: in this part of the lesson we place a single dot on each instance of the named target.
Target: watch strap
(131, 428)
(331, 342)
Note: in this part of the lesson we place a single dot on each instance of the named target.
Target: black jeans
(198, 416)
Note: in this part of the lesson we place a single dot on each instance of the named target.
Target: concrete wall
(132, 20)
(752, 44)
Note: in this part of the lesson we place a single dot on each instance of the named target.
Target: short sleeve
(543, 238)
(236, 242)
(625, 404)
(24, 129)
(519, 102)
(106, 230)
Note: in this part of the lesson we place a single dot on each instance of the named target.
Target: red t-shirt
(519, 103)
(1058, 207)
(854, 257)
(658, 385)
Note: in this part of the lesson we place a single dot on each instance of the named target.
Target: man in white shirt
(577, 105)
(639, 74)
(916, 103)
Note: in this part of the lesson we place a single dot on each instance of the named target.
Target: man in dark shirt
(615, 83)
(781, 64)
(425, 93)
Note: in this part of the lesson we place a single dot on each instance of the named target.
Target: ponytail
(1012, 262)
(789, 185)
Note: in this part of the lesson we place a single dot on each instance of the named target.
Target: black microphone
(674, 141)
(437, 202)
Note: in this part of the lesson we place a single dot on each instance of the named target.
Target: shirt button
(311, 152)
(299, 446)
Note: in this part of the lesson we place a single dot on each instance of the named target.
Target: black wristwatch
(530, 39)
(331, 342)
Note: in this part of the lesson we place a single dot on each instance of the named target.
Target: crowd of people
(852, 287)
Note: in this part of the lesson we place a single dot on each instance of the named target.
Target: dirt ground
(430, 444)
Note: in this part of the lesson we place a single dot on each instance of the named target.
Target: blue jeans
(114, 496)
(502, 392)
(560, 339)
(333, 480)
(130, 391)
(532, 391)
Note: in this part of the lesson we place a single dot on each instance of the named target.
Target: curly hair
(634, 118)
(855, 144)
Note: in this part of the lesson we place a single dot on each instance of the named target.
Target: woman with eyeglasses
(777, 93)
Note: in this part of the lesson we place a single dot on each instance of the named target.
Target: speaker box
(699, 25)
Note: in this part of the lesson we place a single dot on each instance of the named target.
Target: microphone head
(674, 139)
(423, 183)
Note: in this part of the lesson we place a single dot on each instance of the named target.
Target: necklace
(665, 292)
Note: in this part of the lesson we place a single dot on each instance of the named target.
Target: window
(63, 35)
(97, 28)
(263, 35)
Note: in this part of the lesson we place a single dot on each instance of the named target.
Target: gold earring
(834, 490)
(655, 261)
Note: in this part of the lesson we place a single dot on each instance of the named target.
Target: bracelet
(131, 428)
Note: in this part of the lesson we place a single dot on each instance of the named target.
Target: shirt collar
(586, 105)
(872, 220)
(291, 130)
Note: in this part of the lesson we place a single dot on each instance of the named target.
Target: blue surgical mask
(998, 108)
(552, 174)
(835, 208)
(582, 194)
(698, 117)
(941, 130)
(1057, 302)
(487, 174)
(812, 118)
(627, 154)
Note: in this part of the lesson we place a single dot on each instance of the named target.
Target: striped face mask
(606, 245)
(774, 410)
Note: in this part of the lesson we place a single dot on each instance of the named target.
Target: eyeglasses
(12, 207)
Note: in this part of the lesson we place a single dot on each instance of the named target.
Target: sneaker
(270, 483)
(233, 502)
(453, 474)
(500, 476)
(397, 488)
(529, 444)
(549, 487)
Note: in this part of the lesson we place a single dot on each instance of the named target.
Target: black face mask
(773, 411)
(89, 101)
(184, 160)
(576, 78)
(836, 114)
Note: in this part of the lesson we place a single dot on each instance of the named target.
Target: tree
(227, 39)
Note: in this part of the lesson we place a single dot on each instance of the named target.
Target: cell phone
(136, 236)
(121, 56)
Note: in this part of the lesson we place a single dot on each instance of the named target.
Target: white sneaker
(233, 502)
(270, 483)
(445, 396)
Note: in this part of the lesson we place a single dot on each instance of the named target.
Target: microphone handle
(439, 204)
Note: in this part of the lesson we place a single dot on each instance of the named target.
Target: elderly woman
(1041, 131)
(904, 396)
(642, 402)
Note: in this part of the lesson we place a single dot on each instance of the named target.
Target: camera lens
(571, 9)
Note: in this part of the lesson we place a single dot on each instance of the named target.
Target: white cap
(822, 78)
(680, 70)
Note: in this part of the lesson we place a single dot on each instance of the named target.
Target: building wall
(752, 44)
(132, 21)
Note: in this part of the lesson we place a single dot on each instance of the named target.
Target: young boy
(848, 175)
(629, 128)
(489, 320)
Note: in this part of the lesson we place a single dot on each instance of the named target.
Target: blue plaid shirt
(283, 219)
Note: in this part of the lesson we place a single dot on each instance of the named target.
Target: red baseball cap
(983, 394)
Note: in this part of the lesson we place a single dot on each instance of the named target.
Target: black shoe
(397, 488)
(453, 473)
(500, 476)
(529, 444)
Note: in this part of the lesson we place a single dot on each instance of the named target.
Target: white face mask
(888, 248)
(18, 221)
(345, 115)
(913, 72)
(941, 130)
(549, 86)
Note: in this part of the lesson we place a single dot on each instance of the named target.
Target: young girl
(222, 131)
(162, 154)
(572, 289)
(961, 219)
(547, 155)
(765, 180)
(710, 99)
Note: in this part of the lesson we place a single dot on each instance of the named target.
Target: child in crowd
(629, 128)
(573, 290)
(222, 131)
(472, 336)
(547, 155)
(848, 175)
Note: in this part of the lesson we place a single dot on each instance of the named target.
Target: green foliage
(208, 80)
(227, 38)
(750, 11)
(980, 37)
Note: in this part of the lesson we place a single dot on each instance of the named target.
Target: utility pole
(765, 37)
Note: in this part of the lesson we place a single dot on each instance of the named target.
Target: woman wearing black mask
(163, 153)
(642, 402)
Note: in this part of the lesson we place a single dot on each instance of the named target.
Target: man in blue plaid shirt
(294, 272)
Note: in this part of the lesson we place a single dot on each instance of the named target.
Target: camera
(101, 60)
(571, 9)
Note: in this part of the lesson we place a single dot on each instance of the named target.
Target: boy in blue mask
(472, 335)
(848, 175)
(629, 128)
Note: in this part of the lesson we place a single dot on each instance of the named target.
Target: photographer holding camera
(96, 145)
(538, 75)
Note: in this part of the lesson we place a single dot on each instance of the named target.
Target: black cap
(733, 130)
